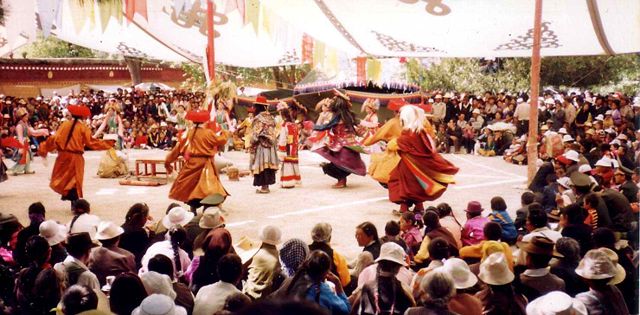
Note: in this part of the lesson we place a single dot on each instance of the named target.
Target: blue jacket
(509, 232)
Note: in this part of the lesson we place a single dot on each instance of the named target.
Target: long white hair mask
(412, 118)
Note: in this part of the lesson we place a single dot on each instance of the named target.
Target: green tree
(52, 47)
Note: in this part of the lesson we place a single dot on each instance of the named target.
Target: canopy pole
(210, 48)
(532, 144)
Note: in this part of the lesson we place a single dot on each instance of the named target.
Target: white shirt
(212, 298)
(522, 111)
(164, 248)
(87, 278)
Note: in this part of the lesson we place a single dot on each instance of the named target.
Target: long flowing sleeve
(95, 144)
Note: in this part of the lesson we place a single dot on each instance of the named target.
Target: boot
(418, 208)
(403, 208)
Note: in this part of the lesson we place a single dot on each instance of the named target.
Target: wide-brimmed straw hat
(596, 265)
(556, 303)
(459, 270)
(494, 270)
(108, 230)
(158, 304)
(393, 252)
(540, 245)
(177, 216)
(620, 272)
(246, 248)
(211, 218)
(53, 232)
(270, 234)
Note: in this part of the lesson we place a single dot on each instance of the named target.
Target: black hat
(80, 242)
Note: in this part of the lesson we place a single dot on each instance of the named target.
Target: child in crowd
(410, 228)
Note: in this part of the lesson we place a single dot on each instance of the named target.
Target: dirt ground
(295, 211)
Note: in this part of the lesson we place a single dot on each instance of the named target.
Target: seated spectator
(74, 268)
(216, 244)
(135, 237)
(163, 265)
(367, 237)
(47, 291)
(82, 220)
(536, 280)
(157, 283)
(211, 298)
(309, 284)
(597, 270)
(109, 259)
(537, 225)
(462, 302)
(36, 216)
(37, 259)
(265, 265)
(78, 299)
(55, 234)
(526, 199)
(321, 237)
(499, 297)
(573, 226)
(472, 230)
(392, 234)
(434, 230)
(492, 232)
(126, 293)
(170, 248)
(439, 288)
(385, 294)
(556, 303)
(158, 304)
(449, 222)
(499, 214)
(234, 304)
(292, 254)
(439, 250)
(564, 267)
(410, 232)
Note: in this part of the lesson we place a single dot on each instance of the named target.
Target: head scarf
(292, 254)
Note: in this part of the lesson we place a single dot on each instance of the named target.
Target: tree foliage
(279, 77)
(599, 73)
(52, 47)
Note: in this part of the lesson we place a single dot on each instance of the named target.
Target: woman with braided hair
(198, 177)
(340, 147)
(70, 140)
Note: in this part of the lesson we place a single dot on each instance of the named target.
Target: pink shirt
(472, 232)
(412, 237)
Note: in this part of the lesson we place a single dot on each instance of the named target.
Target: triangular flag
(77, 15)
(266, 20)
(135, 6)
(252, 14)
(47, 12)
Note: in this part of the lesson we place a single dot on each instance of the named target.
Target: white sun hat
(108, 230)
(177, 215)
(459, 270)
(495, 271)
(556, 303)
(53, 232)
(391, 251)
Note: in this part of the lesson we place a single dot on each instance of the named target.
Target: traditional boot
(403, 208)
(342, 183)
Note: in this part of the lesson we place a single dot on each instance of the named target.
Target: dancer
(288, 143)
(70, 140)
(369, 125)
(318, 137)
(263, 159)
(112, 123)
(198, 177)
(23, 132)
(341, 147)
(383, 163)
(422, 174)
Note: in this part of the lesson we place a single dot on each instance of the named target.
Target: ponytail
(177, 236)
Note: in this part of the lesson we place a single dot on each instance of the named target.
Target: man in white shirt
(212, 298)
(439, 109)
(522, 115)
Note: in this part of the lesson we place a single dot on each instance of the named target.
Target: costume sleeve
(342, 268)
(37, 132)
(95, 144)
(423, 252)
(173, 155)
(282, 138)
(370, 124)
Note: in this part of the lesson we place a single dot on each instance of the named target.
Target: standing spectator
(521, 115)
(472, 230)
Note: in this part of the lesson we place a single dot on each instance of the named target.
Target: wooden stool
(151, 167)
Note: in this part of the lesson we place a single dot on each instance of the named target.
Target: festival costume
(70, 140)
(263, 159)
(339, 149)
(24, 156)
(383, 163)
(288, 143)
(369, 125)
(198, 177)
(422, 174)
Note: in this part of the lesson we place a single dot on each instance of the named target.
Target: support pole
(532, 144)
(211, 61)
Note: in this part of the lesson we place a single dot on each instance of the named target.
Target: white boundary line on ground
(506, 181)
(239, 223)
(483, 166)
(316, 209)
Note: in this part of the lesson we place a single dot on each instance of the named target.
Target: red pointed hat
(198, 116)
(395, 104)
(79, 111)
(261, 100)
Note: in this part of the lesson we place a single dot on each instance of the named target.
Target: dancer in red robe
(422, 174)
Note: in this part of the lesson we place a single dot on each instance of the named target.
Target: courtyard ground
(295, 211)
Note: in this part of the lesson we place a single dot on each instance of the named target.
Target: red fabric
(361, 68)
(79, 110)
(416, 151)
(140, 140)
(198, 116)
(395, 104)
(136, 6)
(292, 141)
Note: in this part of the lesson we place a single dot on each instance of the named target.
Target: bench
(149, 167)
